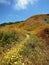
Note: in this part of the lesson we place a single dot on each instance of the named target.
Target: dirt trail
(15, 50)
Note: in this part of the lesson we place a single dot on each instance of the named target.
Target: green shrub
(47, 21)
(8, 38)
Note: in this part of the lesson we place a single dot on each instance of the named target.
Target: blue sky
(17, 10)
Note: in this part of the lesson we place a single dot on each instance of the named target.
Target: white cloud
(5, 2)
(22, 4)
(19, 4)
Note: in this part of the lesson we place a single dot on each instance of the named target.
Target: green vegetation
(7, 38)
(47, 21)
(4, 24)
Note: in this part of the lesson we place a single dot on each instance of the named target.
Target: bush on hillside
(8, 38)
(47, 21)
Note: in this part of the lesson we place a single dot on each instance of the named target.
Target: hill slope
(25, 43)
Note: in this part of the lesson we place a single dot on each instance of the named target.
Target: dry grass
(32, 46)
